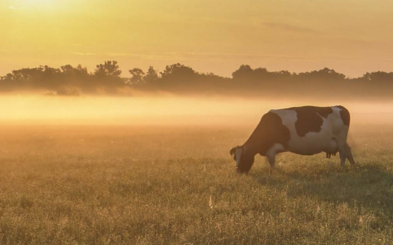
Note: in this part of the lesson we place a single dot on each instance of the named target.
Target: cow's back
(314, 129)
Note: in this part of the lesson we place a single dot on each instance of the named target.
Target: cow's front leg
(272, 159)
(272, 152)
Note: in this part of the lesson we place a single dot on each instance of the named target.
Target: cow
(305, 130)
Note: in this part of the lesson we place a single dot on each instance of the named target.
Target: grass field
(166, 185)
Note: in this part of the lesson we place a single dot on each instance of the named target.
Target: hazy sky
(350, 36)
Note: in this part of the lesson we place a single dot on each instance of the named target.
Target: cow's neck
(254, 147)
(257, 144)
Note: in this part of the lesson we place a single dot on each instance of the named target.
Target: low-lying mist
(166, 110)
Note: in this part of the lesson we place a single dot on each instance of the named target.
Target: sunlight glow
(210, 36)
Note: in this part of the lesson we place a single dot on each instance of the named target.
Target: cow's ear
(232, 151)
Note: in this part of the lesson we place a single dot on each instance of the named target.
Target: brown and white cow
(306, 130)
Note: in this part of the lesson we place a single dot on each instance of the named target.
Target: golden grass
(163, 185)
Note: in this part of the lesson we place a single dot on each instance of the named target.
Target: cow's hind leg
(349, 154)
(342, 149)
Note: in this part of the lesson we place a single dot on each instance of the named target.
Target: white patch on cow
(333, 133)
(274, 150)
(238, 154)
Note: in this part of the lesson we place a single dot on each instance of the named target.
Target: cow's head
(243, 160)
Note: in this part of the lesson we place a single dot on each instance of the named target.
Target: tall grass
(161, 185)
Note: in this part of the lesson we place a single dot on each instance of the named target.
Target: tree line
(182, 79)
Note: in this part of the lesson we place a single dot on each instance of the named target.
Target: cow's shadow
(369, 185)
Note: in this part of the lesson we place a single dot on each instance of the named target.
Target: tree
(137, 75)
(108, 69)
(75, 71)
(178, 72)
(180, 77)
(325, 74)
(244, 72)
(151, 75)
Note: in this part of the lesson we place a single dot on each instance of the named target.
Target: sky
(350, 36)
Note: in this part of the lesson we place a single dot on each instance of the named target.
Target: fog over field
(168, 110)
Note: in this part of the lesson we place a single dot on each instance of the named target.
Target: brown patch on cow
(344, 114)
(269, 131)
(309, 118)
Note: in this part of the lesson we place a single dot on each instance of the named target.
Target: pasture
(177, 185)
